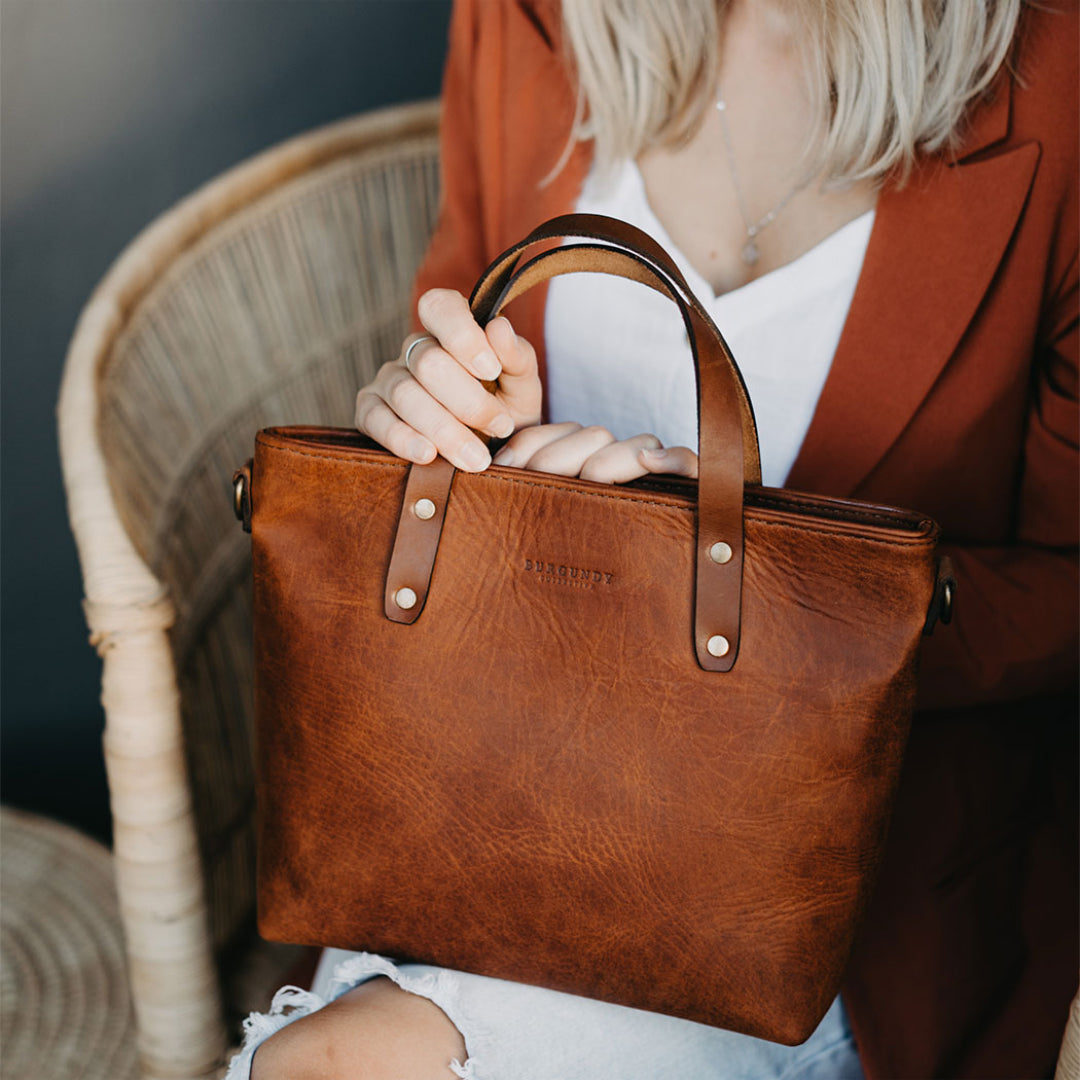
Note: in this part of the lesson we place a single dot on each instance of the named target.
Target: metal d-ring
(238, 498)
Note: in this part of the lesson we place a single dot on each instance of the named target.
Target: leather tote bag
(636, 742)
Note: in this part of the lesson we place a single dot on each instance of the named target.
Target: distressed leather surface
(536, 780)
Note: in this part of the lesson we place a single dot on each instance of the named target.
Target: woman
(877, 202)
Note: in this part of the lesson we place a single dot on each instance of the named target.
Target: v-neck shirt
(617, 353)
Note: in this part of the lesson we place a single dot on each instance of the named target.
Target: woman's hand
(428, 407)
(593, 453)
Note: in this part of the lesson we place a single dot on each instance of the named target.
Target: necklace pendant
(750, 253)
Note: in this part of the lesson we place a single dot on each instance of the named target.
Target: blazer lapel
(933, 252)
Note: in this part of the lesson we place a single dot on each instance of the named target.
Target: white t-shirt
(617, 353)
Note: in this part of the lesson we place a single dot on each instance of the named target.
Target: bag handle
(502, 282)
(728, 449)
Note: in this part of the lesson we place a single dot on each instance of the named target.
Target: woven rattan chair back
(268, 296)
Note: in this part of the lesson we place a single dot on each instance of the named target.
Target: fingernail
(655, 455)
(487, 365)
(502, 426)
(475, 458)
(504, 457)
(419, 449)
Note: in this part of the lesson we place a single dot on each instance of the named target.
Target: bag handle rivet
(718, 645)
(405, 598)
(720, 553)
(424, 509)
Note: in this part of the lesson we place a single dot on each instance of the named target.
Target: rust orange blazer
(953, 391)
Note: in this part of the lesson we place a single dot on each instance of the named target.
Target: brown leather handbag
(637, 742)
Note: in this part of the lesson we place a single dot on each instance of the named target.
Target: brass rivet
(424, 509)
(720, 552)
(405, 599)
(238, 498)
(718, 645)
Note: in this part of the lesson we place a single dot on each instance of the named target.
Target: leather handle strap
(728, 449)
(610, 230)
(416, 543)
(488, 294)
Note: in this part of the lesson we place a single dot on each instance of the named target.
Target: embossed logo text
(579, 577)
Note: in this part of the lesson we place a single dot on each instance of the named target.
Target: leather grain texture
(536, 779)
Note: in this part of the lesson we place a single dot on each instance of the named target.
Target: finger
(519, 384)
(528, 441)
(675, 460)
(445, 314)
(619, 462)
(378, 421)
(416, 407)
(566, 456)
(516, 355)
(460, 394)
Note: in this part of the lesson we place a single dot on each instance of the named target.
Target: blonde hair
(888, 79)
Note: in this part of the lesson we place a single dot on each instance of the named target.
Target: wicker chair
(268, 296)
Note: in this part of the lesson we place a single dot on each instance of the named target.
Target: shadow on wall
(112, 110)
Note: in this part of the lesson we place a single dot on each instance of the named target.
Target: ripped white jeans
(518, 1032)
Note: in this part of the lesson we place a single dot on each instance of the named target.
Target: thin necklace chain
(750, 253)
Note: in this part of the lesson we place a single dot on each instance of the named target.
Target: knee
(375, 1032)
(305, 1050)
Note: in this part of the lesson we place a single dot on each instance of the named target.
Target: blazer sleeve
(1015, 629)
(455, 254)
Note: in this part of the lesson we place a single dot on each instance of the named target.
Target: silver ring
(408, 351)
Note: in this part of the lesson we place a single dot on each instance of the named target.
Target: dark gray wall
(112, 110)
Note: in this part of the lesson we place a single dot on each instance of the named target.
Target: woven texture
(279, 316)
(64, 1000)
(268, 296)
(1068, 1066)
